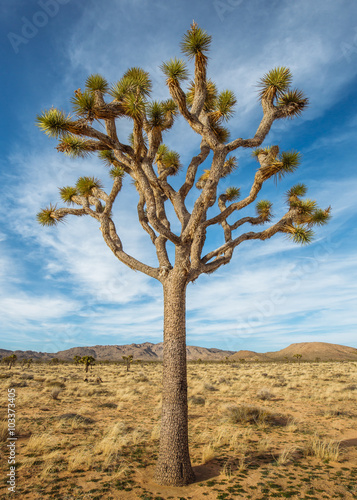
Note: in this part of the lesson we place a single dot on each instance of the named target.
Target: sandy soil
(257, 431)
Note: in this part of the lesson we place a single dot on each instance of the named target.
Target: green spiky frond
(48, 216)
(74, 146)
(275, 83)
(53, 122)
(263, 209)
(256, 152)
(135, 82)
(309, 214)
(97, 82)
(139, 80)
(85, 185)
(195, 42)
(134, 106)
(83, 104)
(295, 100)
(155, 114)
(169, 106)
(230, 165)
(116, 171)
(306, 207)
(211, 95)
(161, 152)
(120, 89)
(295, 192)
(300, 234)
(288, 162)
(232, 193)
(224, 105)
(67, 193)
(175, 70)
(107, 156)
(320, 216)
(220, 132)
(165, 159)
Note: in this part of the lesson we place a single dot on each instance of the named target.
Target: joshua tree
(87, 361)
(10, 360)
(128, 360)
(298, 357)
(76, 360)
(199, 212)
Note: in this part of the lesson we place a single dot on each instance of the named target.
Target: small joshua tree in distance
(10, 360)
(76, 360)
(150, 163)
(298, 357)
(128, 360)
(87, 361)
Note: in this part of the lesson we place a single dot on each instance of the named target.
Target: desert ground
(257, 431)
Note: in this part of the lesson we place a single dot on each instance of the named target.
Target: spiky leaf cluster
(85, 185)
(274, 87)
(155, 114)
(230, 165)
(67, 193)
(107, 156)
(116, 171)
(299, 234)
(195, 42)
(256, 152)
(131, 91)
(167, 159)
(307, 215)
(275, 83)
(263, 209)
(222, 133)
(48, 216)
(83, 104)
(135, 81)
(223, 106)
(175, 70)
(294, 100)
(97, 82)
(288, 162)
(295, 192)
(53, 122)
(74, 146)
(232, 193)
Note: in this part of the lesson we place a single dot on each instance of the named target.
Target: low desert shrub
(197, 400)
(265, 394)
(248, 414)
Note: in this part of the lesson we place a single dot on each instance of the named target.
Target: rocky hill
(310, 351)
(147, 351)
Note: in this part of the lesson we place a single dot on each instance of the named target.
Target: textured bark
(174, 465)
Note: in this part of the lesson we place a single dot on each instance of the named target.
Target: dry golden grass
(250, 425)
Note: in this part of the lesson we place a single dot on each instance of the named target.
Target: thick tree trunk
(174, 465)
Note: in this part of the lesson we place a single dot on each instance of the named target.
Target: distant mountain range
(310, 351)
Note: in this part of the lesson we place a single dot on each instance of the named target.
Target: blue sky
(61, 287)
